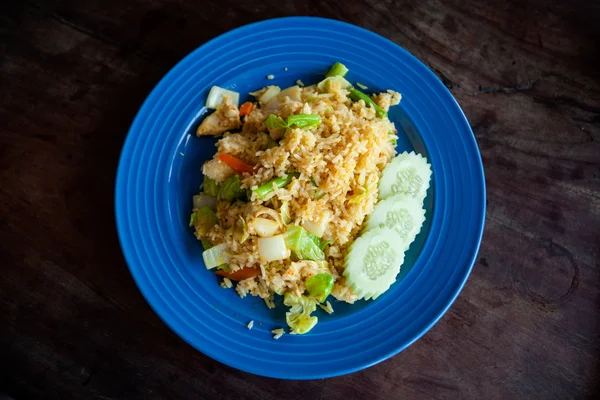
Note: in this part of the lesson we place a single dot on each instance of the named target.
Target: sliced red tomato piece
(240, 274)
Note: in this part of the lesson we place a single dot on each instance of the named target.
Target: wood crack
(450, 84)
(523, 87)
(566, 101)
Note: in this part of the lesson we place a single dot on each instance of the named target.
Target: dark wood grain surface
(73, 325)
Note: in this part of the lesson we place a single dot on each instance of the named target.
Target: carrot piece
(236, 163)
(240, 274)
(245, 108)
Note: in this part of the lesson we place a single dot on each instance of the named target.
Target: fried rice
(339, 163)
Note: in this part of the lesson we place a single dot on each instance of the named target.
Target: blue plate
(159, 171)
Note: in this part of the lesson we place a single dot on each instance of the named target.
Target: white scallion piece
(264, 227)
(273, 248)
(216, 256)
(216, 94)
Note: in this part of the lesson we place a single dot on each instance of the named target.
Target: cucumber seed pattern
(408, 181)
(401, 221)
(379, 258)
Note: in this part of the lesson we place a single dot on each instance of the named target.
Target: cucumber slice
(407, 173)
(373, 262)
(400, 212)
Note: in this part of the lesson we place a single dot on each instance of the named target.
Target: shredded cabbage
(321, 243)
(203, 219)
(275, 122)
(210, 186)
(242, 230)
(285, 213)
(216, 256)
(231, 190)
(304, 244)
(320, 286)
(298, 318)
(357, 198)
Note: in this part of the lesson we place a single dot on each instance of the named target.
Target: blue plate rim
(463, 120)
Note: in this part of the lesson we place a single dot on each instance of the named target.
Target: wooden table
(74, 325)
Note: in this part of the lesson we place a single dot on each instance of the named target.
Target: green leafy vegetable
(318, 241)
(305, 245)
(304, 121)
(206, 244)
(267, 188)
(357, 95)
(314, 238)
(357, 198)
(210, 186)
(203, 219)
(325, 243)
(275, 122)
(298, 318)
(242, 230)
(320, 286)
(231, 190)
(317, 194)
(338, 69)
